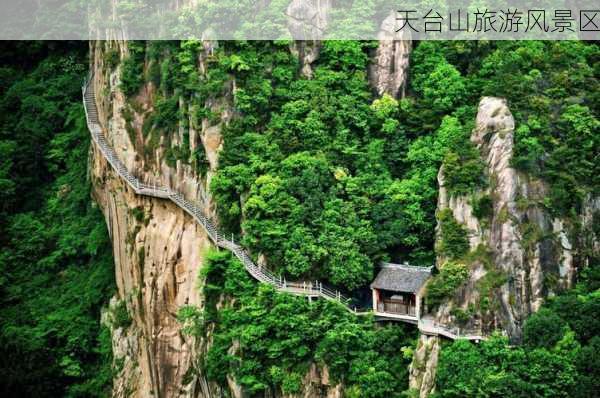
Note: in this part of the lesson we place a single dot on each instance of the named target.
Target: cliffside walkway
(427, 325)
(314, 289)
(310, 289)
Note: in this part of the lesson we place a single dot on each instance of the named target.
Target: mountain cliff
(322, 160)
(505, 250)
(159, 251)
(234, 128)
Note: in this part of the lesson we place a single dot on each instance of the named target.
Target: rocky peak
(307, 53)
(518, 253)
(389, 71)
(493, 134)
(307, 18)
(520, 246)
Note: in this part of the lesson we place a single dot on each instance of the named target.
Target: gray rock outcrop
(520, 254)
(525, 243)
(423, 366)
(389, 68)
(307, 19)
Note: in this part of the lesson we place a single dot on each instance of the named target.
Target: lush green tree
(543, 329)
(578, 133)
(496, 369)
(453, 241)
(559, 356)
(313, 156)
(132, 68)
(268, 340)
(444, 88)
(56, 269)
(443, 285)
(588, 369)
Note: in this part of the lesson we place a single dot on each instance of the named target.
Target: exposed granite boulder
(307, 19)
(526, 245)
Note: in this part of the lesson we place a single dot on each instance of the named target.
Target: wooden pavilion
(398, 291)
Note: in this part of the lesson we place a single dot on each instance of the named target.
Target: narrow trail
(314, 289)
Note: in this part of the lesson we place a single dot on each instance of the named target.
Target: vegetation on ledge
(268, 340)
(560, 355)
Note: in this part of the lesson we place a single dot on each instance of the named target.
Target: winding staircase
(314, 289)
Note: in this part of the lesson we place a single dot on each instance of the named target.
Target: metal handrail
(262, 274)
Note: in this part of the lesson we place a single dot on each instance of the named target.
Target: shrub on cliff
(443, 285)
(267, 340)
(453, 242)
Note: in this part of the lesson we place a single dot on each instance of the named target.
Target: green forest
(307, 164)
(56, 266)
(281, 335)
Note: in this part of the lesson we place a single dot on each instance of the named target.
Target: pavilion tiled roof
(401, 277)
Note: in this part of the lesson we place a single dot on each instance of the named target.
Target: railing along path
(313, 289)
(310, 289)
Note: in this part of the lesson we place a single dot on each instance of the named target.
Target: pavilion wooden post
(418, 305)
(375, 299)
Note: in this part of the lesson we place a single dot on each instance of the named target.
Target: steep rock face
(300, 15)
(389, 70)
(158, 249)
(422, 369)
(152, 165)
(519, 253)
(307, 18)
(158, 252)
(589, 238)
(525, 244)
(307, 53)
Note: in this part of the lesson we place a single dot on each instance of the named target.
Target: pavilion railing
(396, 307)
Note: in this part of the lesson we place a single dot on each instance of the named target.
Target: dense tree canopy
(56, 267)
(559, 356)
(378, 158)
(268, 340)
(323, 177)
